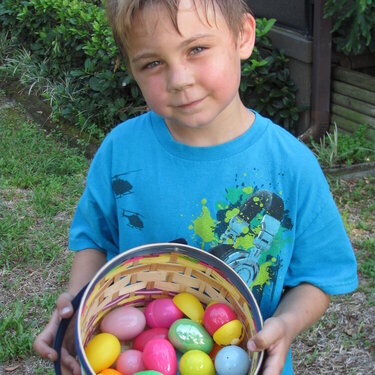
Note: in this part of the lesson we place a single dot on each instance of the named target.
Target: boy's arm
(299, 309)
(84, 267)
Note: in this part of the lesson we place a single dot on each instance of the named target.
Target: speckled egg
(232, 360)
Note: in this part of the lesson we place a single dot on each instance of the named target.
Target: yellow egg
(190, 306)
(231, 333)
(196, 362)
(102, 351)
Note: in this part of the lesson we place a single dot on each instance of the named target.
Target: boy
(202, 166)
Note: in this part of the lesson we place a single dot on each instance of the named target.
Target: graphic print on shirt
(122, 187)
(247, 235)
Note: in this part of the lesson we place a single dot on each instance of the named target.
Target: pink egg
(144, 337)
(160, 355)
(162, 313)
(124, 322)
(129, 362)
(217, 315)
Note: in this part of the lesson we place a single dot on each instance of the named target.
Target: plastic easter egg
(196, 362)
(162, 313)
(159, 355)
(148, 372)
(102, 351)
(232, 360)
(185, 334)
(109, 371)
(231, 333)
(216, 315)
(124, 322)
(190, 306)
(153, 333)
(129, 362)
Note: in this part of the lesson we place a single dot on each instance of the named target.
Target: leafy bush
(73, 43)
(266, 85)
(353, 26)
(91, 89)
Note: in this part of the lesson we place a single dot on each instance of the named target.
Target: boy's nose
(179, 77)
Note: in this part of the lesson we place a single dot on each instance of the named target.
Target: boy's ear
(246, 38)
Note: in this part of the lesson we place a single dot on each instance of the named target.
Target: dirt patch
(342, 342)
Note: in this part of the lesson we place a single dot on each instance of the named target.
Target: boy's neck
(225, 128)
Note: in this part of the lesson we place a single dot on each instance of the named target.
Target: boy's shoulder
(281, 138)
(281, 148)
(132, 124)
(127, 135)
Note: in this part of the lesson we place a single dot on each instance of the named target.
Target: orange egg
(109, 371)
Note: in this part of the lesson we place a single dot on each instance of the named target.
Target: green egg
(185, 334)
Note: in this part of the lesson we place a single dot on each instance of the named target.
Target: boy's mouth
(191, 104)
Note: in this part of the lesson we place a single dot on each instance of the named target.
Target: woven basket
(161, 270)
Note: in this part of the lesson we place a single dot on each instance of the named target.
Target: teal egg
(186, 334)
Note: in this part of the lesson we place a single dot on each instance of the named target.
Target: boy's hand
(273, 338)
(299, 308)
(43, 343)
(84, 267)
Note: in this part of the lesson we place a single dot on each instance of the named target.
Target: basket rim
(162, 248)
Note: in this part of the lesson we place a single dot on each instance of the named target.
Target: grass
(342, 342)
(41, 179)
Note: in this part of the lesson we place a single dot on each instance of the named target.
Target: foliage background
(72, 42)
(354, 25)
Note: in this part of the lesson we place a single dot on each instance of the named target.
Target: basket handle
(63, 326)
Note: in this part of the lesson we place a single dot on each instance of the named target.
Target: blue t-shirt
(260, 202)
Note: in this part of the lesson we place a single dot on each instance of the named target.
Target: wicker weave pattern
(140, 280)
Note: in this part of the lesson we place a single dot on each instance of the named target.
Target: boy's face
(191, 79)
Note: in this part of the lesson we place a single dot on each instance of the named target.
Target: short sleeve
(322, 254)
(95, 222)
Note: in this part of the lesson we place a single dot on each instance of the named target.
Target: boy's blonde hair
(121, 14)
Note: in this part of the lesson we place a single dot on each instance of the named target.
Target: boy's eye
(151, 65)
(196, 50)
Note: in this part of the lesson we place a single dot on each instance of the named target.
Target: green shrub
(92, 87)
(77, 42)
(353, 25)
(266, 85)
